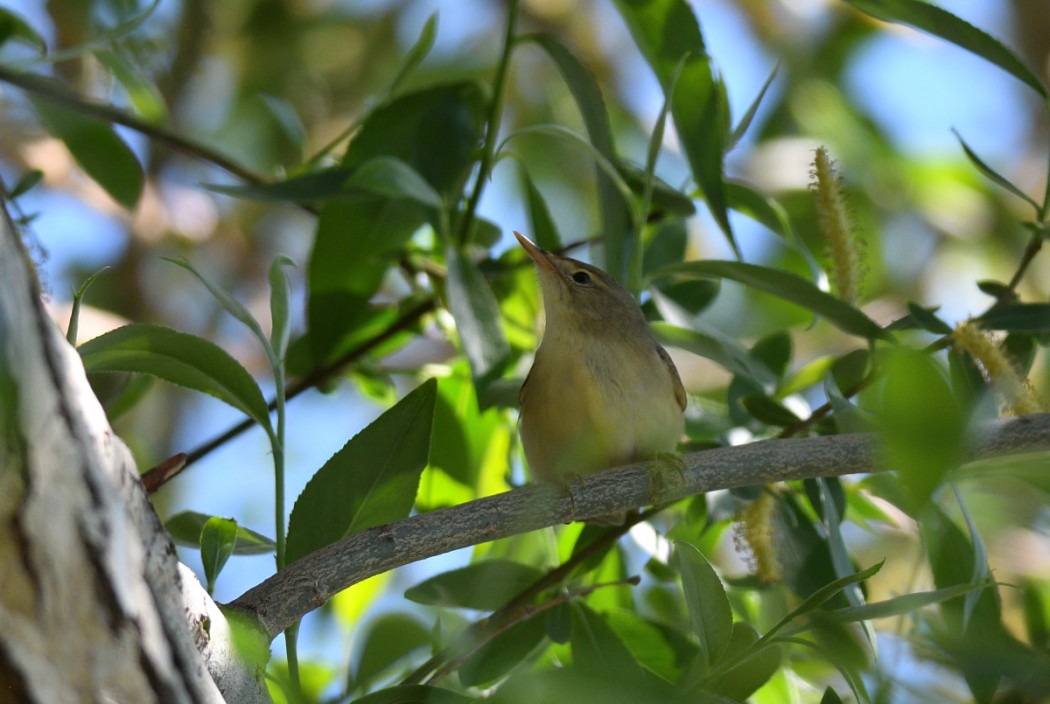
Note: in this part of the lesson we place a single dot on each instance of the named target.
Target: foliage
(401, 249)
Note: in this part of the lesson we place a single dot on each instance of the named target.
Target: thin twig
(51, 91)
(311, 581)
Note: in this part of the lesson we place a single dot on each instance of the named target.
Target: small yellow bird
(601, 391)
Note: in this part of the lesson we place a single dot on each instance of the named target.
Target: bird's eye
(581, 277)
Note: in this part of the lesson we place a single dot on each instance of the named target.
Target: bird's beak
(541, 257)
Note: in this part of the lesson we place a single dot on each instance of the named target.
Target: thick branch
(310, 582)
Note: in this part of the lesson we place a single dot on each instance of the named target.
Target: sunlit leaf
(371, 480)
(941, 23)
(178, 358)
(922, 422)
(185, 529)
(787, 286)
(217, 540)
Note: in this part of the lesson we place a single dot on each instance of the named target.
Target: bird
(601, 391)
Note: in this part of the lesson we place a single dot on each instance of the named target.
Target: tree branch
(310, 582)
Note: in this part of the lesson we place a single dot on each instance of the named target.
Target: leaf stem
(492, 124)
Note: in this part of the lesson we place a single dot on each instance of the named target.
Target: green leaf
(103, 155)
(217, 540)
(280, 306)
(13, 26)
(774, 350)
(178, 358)
(185, 529)
(143, 94)
(665, 200)
(830, 696)
(418, 52)
(668, 35)
(699, 105)
(541, 225)
(765, 410)
(749, 114)
(230, 304)
(391, 177)
(820, 596)
(477, 315)
(718, 348)
(922, 423)
(414, 694)
(379, 176)
(993, 175)
(78, 297)
(901, 605)
(614, 201)
(357, 241)
(386, 640)
(372, 480)
(691, 296)
(941, 23)
(712, 344)
(787, 286)
(927, 319)
(597, 650)
(435, 130)
(745, 677)
(25, 183)
(709, 609)
(484, 586)
(503, 653)
(1018, 317)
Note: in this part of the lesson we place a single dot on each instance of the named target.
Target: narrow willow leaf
(217, 540)
(13, 26)
(722, 349)
(484, 586)
(1018, 317)
(941, 23)
(787, 286)
(185, 529)
(477, 315)
(418, 52)
(280, 306)
(372, 480)
(709, 609)
(749, 114)
(95, 145)
(178, 358)
(991, 174)
(820, 596)
(901, 605)
(980, 558)
(543, 230)
(230, 304)
(617, 218)
(78, 298)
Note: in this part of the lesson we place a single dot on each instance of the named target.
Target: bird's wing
(679, 390)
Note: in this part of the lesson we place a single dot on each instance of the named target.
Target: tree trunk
(94, 605)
